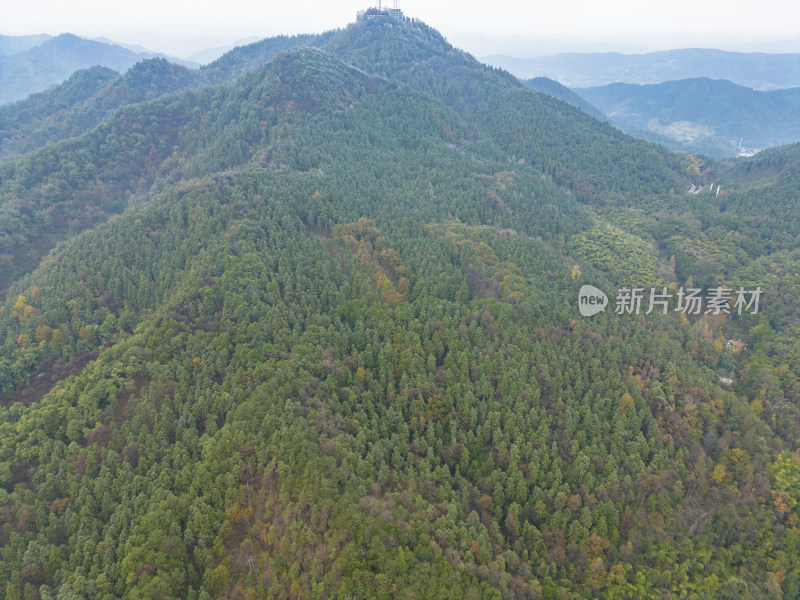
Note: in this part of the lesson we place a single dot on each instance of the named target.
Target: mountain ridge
(578, 172)
(55, 60)
(13, 44)
(724, 114)
(83, 102)
(562, 92)
(757, 70)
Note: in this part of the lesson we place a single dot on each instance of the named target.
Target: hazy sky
(182, 26)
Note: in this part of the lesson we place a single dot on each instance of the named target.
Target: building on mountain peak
(381, 12)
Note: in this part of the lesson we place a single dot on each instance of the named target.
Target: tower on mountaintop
(381, 12)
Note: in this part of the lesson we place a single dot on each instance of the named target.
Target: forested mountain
(703, 115)
(755, 70)
(53, 196)
(90, 95)
(562, 92)
(83, 102)
(55, 60)
(313, 333)
(243, 59)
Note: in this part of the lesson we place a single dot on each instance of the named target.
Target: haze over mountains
(715, 117)
(304, 324)
(562, 92)
(683, 115)
(10, 44)
(31, 64)
(681, 99)
(754, 70)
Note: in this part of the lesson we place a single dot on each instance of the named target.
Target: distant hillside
(705, 115)
(203, 57)
(13, 44)
(555, 89)
(83, 101)
(53, 61)
(755, 70)
(208, 55)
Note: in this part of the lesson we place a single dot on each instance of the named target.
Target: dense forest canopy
(303, 324)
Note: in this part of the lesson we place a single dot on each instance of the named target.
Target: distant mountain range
(12, 44)
(755, 70)
(34, 63)
(701, 115)
(70, 84)
(562, 92)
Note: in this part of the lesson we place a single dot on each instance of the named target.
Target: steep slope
(493, 105)
(20, 123)
(765, 190)
(336, 354)
(563, 93)
(83, 101)
(68, 187)
(755, 70)
(739, 231)
(703, 113)
(419, 56)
